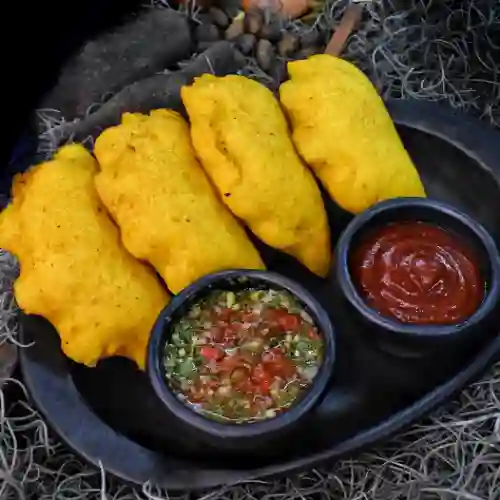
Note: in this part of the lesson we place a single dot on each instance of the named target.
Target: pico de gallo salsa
(243, 356)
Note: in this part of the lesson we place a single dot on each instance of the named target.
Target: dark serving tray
(109, 414)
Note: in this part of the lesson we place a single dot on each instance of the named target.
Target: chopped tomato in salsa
(243, 356)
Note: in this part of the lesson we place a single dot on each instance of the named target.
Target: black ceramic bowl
(252, 437)
(411, 340)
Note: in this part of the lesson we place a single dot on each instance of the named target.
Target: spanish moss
(432, 50)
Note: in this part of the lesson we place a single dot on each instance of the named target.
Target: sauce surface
(243, 356)
(417, 273)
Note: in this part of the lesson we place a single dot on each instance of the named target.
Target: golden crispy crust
(74, 270)
(342, 129)
(241, 137)
(168, 212)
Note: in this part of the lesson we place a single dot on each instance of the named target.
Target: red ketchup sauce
(417, 273)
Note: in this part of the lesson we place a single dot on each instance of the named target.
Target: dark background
(36, 36)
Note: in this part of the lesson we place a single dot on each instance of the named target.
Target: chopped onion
(239, 374)
(253, 344)
(306, 317)
(230, 299)
(198, 340)
(310, 355)
(224, 390)
(212, 366)
(309, 372)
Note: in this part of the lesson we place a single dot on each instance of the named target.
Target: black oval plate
(459, 160)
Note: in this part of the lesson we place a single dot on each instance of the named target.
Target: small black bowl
(410, 340)
(264, 437)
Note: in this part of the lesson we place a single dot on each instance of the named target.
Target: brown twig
(349, 23)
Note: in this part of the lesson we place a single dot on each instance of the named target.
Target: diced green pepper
(187, 368)
(288, 395)
(169, 362)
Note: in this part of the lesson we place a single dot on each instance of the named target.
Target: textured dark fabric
(159, 91)
(152, 41)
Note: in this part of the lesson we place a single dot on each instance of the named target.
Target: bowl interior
(235, 281)
(467, 235)
(414, 340)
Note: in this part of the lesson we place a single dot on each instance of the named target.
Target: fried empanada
(342, 129)
(75, 271)
(242, 139)
(168, 212)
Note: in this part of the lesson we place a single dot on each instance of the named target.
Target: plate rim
(468, 134)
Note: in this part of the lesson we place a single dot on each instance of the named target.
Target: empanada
(242, 139)
(75, 271)
(168, 212)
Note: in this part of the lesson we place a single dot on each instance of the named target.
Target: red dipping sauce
(418, 273)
